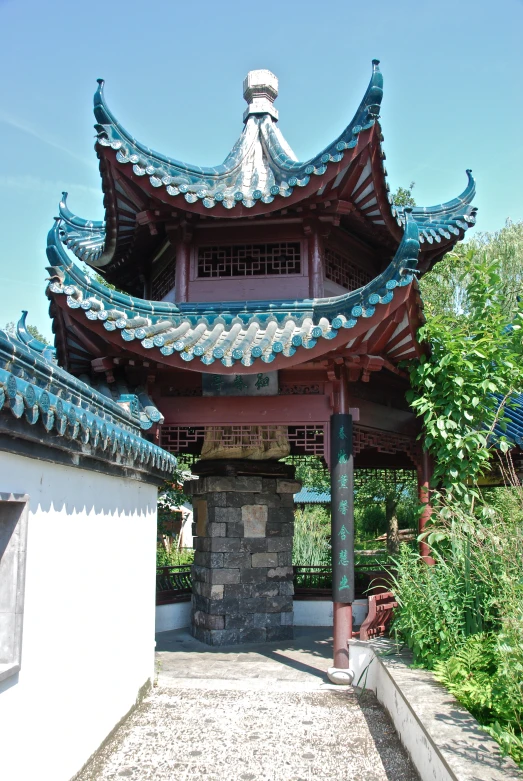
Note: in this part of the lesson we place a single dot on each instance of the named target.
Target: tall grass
(172, 555)
(311, 545)
(463, 617)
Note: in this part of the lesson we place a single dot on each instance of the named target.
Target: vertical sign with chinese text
(342, 508)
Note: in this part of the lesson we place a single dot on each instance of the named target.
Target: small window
(164, 282)
(340, 269)
(13, 535)
(249, 260)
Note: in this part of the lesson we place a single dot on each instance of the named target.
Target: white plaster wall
(174, 616)
(88, 634)
(318, 612)
(186, 534)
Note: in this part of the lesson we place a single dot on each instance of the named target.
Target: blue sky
(174, 73)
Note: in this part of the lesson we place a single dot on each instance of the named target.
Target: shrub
(463, 617)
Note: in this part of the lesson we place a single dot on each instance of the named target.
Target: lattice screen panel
(300, 389)
(309, 439)
(306, 439)
(164, 282)
(339, 269)
(385, 442)
(248, 260)
(177, 439)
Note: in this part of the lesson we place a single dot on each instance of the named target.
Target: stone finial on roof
(260, 89)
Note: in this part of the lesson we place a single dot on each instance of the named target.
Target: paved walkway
(256, 713)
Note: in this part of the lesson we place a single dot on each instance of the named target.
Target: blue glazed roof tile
(230, 332)
(309, 496)
(33, 387)
(513, 421)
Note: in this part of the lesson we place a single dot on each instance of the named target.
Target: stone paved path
(262, 713)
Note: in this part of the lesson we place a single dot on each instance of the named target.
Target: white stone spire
(260, 89)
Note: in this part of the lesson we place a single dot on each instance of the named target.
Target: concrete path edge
(444, 741)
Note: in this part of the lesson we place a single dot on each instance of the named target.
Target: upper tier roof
(260, 167)
(260, 175)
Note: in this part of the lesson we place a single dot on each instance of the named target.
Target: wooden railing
(173, 584)
(315, 582)
(312, 582)
(381, 607)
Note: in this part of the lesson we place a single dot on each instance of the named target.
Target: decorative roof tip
(24, 336)
(375, 65)
(260, 90)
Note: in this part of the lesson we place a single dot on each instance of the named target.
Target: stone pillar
(242, 572)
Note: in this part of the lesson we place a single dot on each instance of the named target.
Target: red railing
(381, 609)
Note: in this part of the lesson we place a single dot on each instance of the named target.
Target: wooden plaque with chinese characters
(342, 508)
(260, 384)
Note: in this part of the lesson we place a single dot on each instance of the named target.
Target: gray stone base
(242, 572)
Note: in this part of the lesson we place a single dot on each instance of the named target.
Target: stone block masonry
(242, 572)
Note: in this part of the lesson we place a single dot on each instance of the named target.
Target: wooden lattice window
(339, 269)
(249, 260)
(176, 439)
(309, 439)
(385, 442)
(164, 282)
(305, 439)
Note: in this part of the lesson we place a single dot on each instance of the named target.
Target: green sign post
(342, 508)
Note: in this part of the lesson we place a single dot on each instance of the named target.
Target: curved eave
(446, 222)
(217, 188)
(350, 171)
(249, 333)
(364, 188)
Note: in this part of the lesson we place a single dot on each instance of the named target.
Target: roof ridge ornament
(260, 90)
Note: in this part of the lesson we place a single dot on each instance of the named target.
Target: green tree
(385, 495)
(473, 370)
(403, 196)
(445, 288)
(33, 330)
(311, 472)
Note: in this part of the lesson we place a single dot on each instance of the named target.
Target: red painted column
(424, 476)
(182, 271)
(342, 611)
(315, 265)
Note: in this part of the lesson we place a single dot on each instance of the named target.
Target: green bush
(486, 676)
(439, 606)
(463, 617)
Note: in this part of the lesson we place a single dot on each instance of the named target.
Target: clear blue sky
(174, 73)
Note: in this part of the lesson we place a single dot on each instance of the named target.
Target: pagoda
(265, 307)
